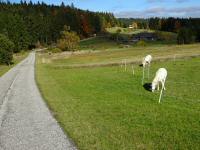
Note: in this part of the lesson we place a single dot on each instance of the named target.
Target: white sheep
(160, 77)
(146, 60)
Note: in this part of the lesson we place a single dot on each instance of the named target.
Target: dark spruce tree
(6, 50)
(26, 24)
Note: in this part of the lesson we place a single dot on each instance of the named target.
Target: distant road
(25, 121)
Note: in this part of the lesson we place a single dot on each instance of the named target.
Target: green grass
(166, 38)
(16, 59)
(98, 43)
(104, 43)
(108, 108)
(116, 55)
(127, 30)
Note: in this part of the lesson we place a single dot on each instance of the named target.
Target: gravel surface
(25, 121)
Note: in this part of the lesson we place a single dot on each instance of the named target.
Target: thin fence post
(143, 76)
(174, 58)
(121, 65)
(161, 93)
(125, 64)
(133, 70)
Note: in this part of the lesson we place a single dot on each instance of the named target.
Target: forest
(29, 24)
(188, 29)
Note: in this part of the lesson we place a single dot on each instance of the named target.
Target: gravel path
(25, 121)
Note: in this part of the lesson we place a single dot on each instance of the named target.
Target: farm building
(133, 26)
(144, 36)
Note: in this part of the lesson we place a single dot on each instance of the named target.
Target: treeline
(28, 24)
(188, 29)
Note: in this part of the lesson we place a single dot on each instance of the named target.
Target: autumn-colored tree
(69, 40)
(85, 25)
(134, 25)
(177, 26)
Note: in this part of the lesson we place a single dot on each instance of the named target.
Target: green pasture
(127, 30)
(108, 108)
(98, 43)
(117, 55)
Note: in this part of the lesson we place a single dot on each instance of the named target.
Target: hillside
(28, 24)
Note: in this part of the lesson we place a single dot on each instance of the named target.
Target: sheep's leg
(163, 85)
(160, 95)
(148, 69)
(158, 88)
(143, 75)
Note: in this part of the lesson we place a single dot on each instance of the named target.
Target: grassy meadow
(16, 59)
(98, 43)
(117, 55)
(104, 43)
(127, 30)
(108, 107)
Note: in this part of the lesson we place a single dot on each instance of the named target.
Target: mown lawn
(107, 108)
(16, 59)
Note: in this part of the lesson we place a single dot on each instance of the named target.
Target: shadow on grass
(147, 86)
(141, 65)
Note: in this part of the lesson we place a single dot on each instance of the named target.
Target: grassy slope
(103, 43)
(17, 58)
(127, 30)
(170, 37)
(131, 53)
(107, 108)
(97, 43)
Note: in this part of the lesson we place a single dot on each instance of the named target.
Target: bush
(121, 46)
(69, 40)
(6, 50)
(166, 36)
(54, 50)
(141, 43)
(185, 36)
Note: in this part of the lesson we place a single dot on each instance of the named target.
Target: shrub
(6, 50)
(69, 40)
(121, 46)
(141, 43)
(54, 50)
(166, 36)
(185, 36)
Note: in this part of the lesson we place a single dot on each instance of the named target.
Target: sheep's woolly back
(147, 60)
(161, 74)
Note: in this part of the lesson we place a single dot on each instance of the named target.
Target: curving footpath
(25, 121)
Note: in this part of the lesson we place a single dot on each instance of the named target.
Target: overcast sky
(137, 8)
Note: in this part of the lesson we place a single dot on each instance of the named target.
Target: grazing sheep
(160, 77)
(146, 60)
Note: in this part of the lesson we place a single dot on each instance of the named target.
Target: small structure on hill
(133, 25)
(146, 36)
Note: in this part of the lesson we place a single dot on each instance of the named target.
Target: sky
(137, 8)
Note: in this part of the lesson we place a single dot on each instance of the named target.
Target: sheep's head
(143, 63)
(153, 86)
